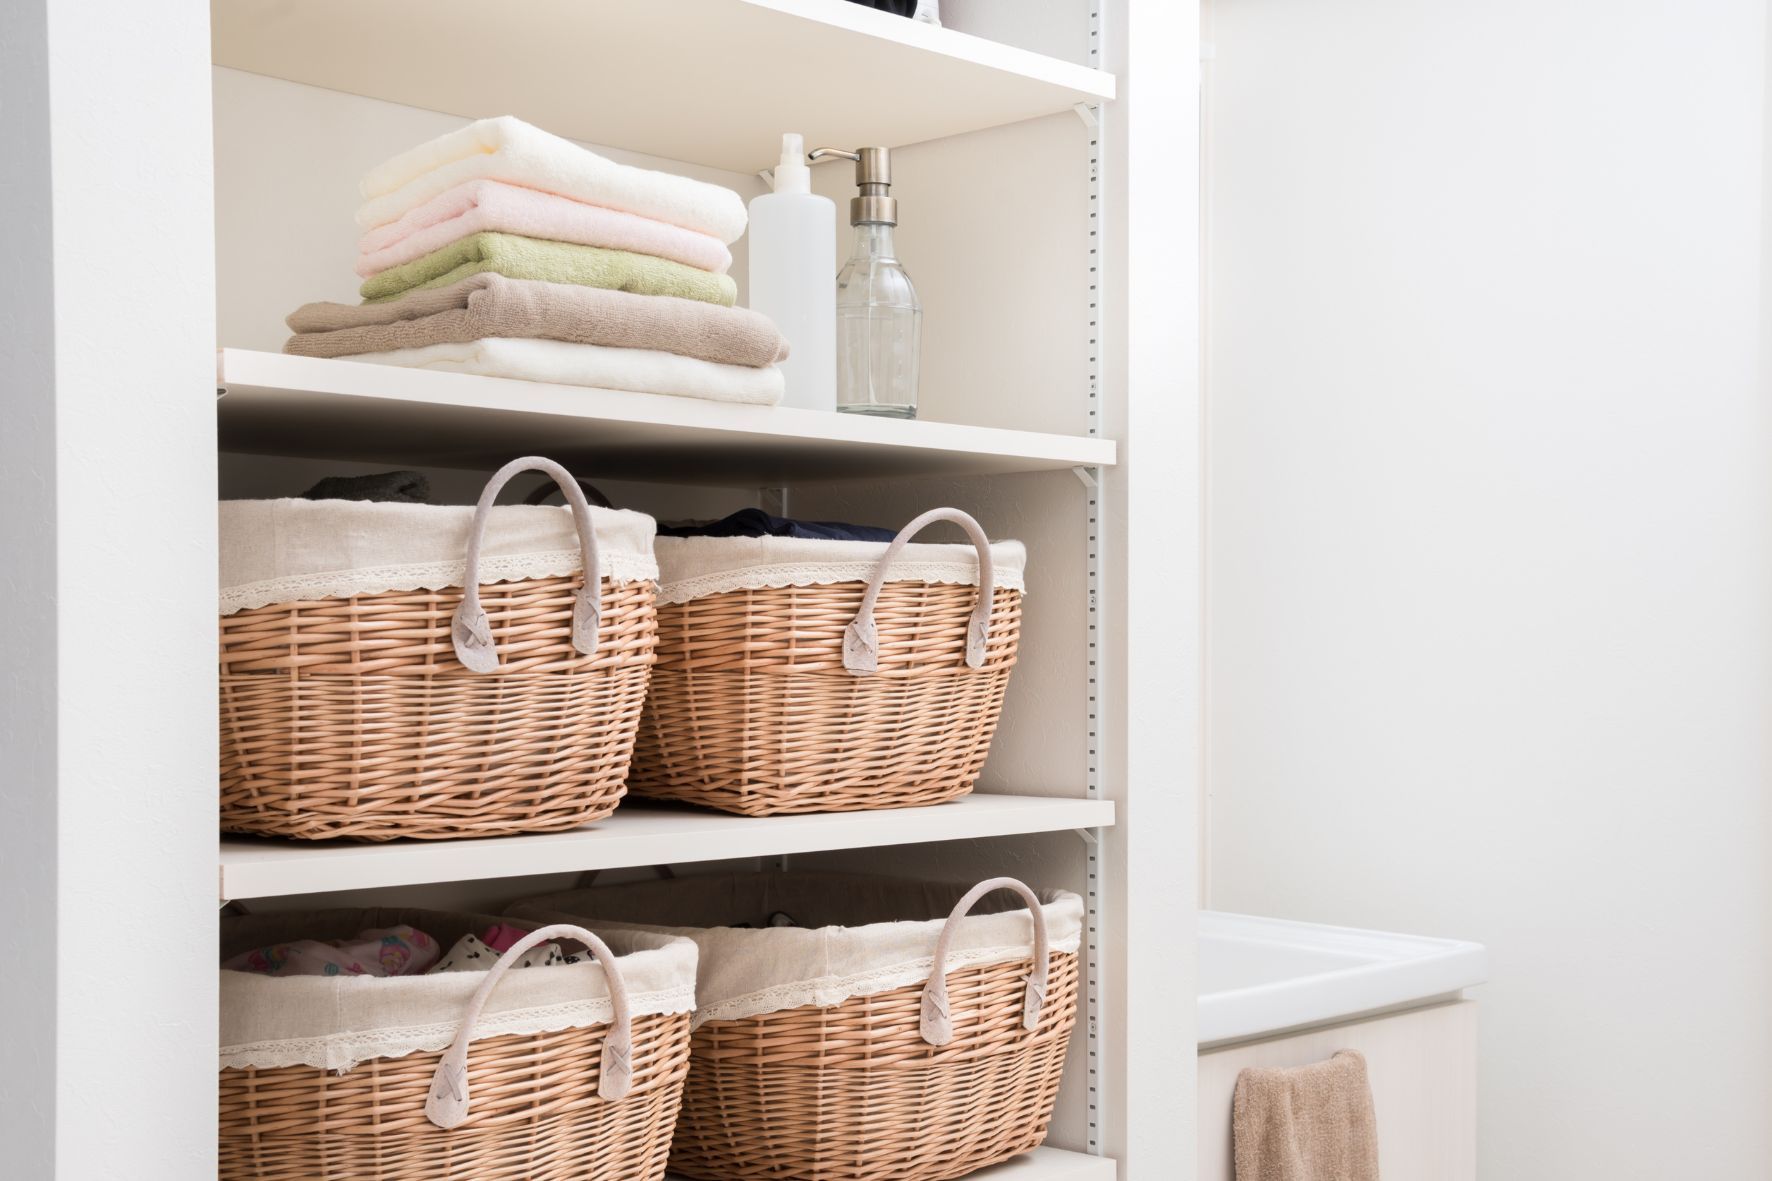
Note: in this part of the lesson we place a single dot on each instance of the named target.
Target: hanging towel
(493, 205)
(641, 371)
(553, 262)
(509, 149)
(489, 304)
(1306, 1123)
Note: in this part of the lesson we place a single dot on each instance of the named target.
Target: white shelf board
(637, 834)
(1049, 1164)
(1042, 1164)
(273, 404)
(713, 82)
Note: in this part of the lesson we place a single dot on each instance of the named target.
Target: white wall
(1490, 555)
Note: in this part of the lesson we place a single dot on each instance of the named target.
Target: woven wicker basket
(390, 714)
(923, 1082)
(830, 697)
(589, 1102)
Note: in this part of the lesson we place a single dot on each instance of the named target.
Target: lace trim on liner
(341, 1052)
(619, 567)
(829, 991)
(796, 574)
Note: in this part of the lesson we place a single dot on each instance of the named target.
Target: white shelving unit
(1049, 213)
(1049, 1164)
(839, 72)
(638, 834)
(274, 404)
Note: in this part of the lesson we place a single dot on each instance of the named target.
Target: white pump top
(792, 175)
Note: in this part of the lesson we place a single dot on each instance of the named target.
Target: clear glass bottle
(879, 321)
(879, 328)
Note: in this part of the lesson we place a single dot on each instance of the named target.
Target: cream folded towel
(489, 304)
(511, 209)
(1306, 1123)
(511, 150)
(642, 371)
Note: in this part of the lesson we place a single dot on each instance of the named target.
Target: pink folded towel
(477, 205)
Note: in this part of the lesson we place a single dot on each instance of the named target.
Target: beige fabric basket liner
(859, 935)
(694, 567)
(287, 551)
(335, 1022)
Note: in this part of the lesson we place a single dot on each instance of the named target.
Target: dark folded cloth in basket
(896, 7)
(753, 522)
(404, 487)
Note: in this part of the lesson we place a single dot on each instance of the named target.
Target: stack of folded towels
(504, 251)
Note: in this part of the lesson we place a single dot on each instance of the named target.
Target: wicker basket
(389, 713)
(833, 696)
(569, 1096)
(923, 1080)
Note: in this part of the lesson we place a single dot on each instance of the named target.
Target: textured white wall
(1490, 556)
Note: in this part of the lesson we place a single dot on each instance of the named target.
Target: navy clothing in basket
(401, 487)
(754, 522)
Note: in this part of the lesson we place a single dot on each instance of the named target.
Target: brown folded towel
(489, 304)
(1307, 1123)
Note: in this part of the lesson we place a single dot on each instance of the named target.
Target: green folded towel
(516, 257)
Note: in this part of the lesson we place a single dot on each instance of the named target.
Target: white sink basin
(1265, 976)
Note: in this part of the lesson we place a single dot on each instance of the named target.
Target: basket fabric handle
(447, 1104)
(472, 631)
(861, 641)
(937, 1026)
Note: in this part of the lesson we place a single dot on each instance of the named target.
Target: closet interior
(1025, 172)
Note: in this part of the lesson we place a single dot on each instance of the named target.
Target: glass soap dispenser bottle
(879, 319)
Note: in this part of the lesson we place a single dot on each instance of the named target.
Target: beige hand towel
(490, 305)
(1306, 1123)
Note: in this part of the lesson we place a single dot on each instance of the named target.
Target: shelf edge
(273, 868)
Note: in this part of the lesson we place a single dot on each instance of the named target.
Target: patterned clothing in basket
(473, 953)
(390, 951)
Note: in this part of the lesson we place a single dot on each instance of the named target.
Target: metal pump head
(873, 175)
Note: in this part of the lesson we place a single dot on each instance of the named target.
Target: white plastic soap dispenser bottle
(793, 263)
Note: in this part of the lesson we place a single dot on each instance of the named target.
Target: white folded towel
(511, 150)
(642, 371)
